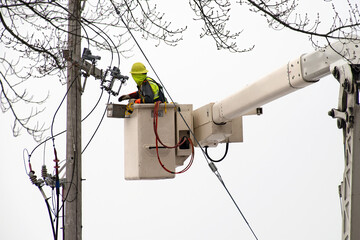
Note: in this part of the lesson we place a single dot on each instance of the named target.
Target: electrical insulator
(44, 172)
(33, 177)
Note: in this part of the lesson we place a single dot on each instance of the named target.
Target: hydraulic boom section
(299, 73)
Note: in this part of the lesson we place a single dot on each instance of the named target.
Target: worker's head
(138, 72)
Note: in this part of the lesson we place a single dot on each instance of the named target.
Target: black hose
(219, 160)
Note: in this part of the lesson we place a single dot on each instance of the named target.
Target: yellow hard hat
(138, 68)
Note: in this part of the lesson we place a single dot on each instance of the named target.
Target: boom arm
(299, 73)
(213, 123)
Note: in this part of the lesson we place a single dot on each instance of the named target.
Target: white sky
(284, 176)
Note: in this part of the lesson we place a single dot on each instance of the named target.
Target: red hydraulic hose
(157, 140)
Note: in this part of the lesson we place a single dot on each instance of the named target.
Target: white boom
(343, 60)
(222, 122)
(299, 73)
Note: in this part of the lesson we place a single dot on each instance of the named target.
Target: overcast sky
(284, 176)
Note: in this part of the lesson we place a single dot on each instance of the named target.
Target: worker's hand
(124, 97)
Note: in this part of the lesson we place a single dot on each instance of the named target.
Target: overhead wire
(98, 126)
(143, 53)
(107, 41)
(148, 61)
(58, 108)
(44, 151)
(210, 163)
(57, 180)
(51, 220)
(157, 76)
(56, 213)
(73, 17)
(53, 136)
(26, 171)
(97, 32)
(65, 197)
(236, 205)
(64, 131)
(52, 124)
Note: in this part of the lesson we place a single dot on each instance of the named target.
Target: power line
(97, 128)
(64, 131)
(56, 206)
(58, 108)
(211, 164)
(217, 173)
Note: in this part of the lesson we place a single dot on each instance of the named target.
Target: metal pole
(72, 189)
(350, 187)
(348, 119)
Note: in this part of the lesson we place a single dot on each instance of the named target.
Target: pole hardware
(87, 65)
(88, 56)
(108, 85)
(116, 75)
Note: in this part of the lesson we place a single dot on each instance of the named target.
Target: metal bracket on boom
(211, 134)
(344, 113)
(343, 118)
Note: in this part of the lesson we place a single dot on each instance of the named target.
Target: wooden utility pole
(73, 191)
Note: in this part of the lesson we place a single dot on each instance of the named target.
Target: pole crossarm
(89, 68)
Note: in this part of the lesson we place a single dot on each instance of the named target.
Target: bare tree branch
(7, 103)
(283, 14)
(33, 34)
(215, 15)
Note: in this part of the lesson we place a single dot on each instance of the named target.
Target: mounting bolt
(336, 73)
(341, 123)
(347, 86)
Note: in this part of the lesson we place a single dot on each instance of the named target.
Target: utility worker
(149, 91)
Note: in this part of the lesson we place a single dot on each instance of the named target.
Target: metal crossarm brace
(92, 70)
(89, 68)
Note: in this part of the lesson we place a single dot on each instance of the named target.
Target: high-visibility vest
(154, 87)
(150, 88)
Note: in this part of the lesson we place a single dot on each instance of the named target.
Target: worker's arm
(133, 95)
